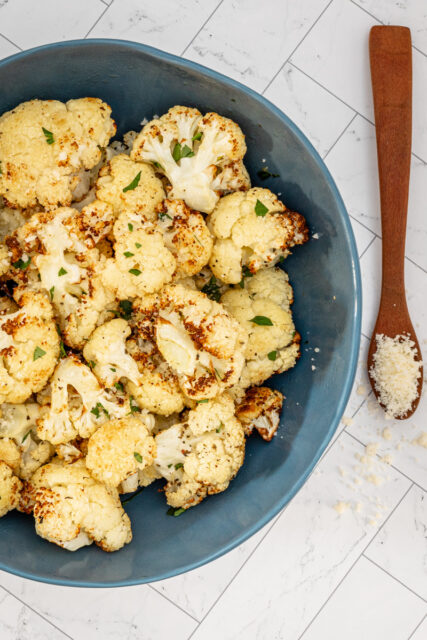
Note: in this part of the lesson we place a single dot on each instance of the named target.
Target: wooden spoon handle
(391, 71)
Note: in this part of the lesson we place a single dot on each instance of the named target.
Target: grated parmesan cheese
(395, 373)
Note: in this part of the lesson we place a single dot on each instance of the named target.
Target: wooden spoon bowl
(391, 70)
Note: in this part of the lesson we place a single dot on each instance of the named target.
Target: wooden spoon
(391, 70)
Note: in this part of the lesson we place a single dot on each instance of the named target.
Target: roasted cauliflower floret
(202, 455)
(44, 144)
(72, 509)
(82, 411)
(186, 235)
(253, 230)
(29, 347)
(260, 409)
(200, 340)
(10, 219)
(129, 186)
(201, 157)
(262, 308)
(118, 449)
(10, 453)
(59, 247)
(10, 488)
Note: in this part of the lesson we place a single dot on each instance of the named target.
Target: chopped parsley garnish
(137, 456)
(38, 353)
(179, 465)
(158, 165)
(135, 272)
(133, 407)
(246, 273)
(211, 289)
(96, 410)
(92, 364)
(220, 428)
(112, 369)
(163, 215)
(133, 185)
(118, 386)
(128, 254)
(125, 309)
(202, 401)
(272, 355)
(282, 259)
(218, 374)
(51, 292)
(260, 209)
(26, 436)
(62, 272)
(264, 173)
(48, 135)
(130, 226)
(20, 264)
(138, 245)
(175, 512)
(181, 152)
(263, 321)
(197, 136)
(62, 352)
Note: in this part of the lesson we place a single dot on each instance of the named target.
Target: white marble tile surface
(420, 633)
(401, 545)
(169, 25)
(306, 554)
(7, 48)
(18, 622)
(368, 604)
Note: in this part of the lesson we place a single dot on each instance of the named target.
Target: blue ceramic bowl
(137, 82)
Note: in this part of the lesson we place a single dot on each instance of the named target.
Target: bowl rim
(356, 316)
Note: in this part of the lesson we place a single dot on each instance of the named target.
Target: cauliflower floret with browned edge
(129, 186)
(120, 448)
(253, 230)
(10, 488)
(81, 411)
(262, 307)
(72, 509)
(202, 343)
(260, 409)
(44, 145)
(201, 156)
(29, 347)
(4, 260)
(201, 456)
(10, 219)
(60, 247)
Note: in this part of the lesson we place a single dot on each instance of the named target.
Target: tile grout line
(389, 465)
(372, 240)
(418, 626)
(339, 137)
(354, 563)
(36, 612)
(394, 577)
(159, 593)
(295, 48)
(99, 17)
(11, 42)
(202, 27)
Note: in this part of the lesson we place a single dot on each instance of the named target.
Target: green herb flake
(211, 289)
(112, 369)
(92, 364)
(186, 152)
(263, 321)
(163, 215)
(175, 512)
(38, 353)
(20, 264)
(138, 245)
(135, 272)
(51, 292)
(125, 309)
(198, 135)
(181, 152)
(48, 135)
(158, 165)
(169, 465)
(176, 153)
(282, 259)
(137, 456)
(133, 407)
(130, 226)
(179, 465)
(260, 209)
(218, 374)
(264, 173)
(62, 352)
(62, 272)
(220, 428)
(118, 386)
(272, 355)
(128, 254)
(133, 185)
(246, 273)
(202, 401)
(26, 436)
(95, 411)
(101, 406)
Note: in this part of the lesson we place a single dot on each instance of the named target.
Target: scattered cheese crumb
(371, 449)
(340, 507)
(387, 435)
(421, 441)
(313, 368)
(377, 480)
(347, 421)
(357, 480)
(315, 236)
(395, 372)
(342, 471)
(361, 390)
(358, 507)
(387, 459)
(317, 350)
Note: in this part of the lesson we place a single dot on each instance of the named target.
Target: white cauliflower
(10, 453)
(59, 247)
(129, 186)
(44, 146)
(200, 340)
(10, 488)
(29, 347)
(82, 411)
(10, 219)
(120, 448)
(72, 509)
(260, 409)
(202, 157)
(262, 308)
(253, 230)
(202, 455)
